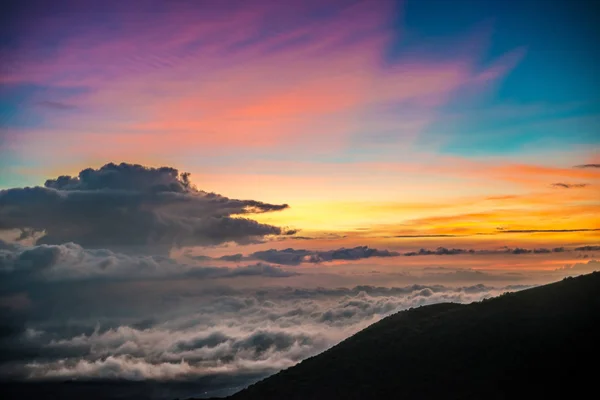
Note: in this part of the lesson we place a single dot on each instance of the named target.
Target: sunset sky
(398, 125)
(371, 119)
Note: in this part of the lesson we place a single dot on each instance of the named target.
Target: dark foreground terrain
(541, 342)
(117, 389)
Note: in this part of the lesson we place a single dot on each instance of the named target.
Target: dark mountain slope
(539, 342)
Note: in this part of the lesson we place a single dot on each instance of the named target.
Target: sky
(346, 160)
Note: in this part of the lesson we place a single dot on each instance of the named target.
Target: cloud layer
(71, 262)
(239, 333)
(569, 185)
(292, 256)
(67, 312)
(296, 256)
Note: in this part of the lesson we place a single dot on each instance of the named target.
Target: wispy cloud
(292, 256)
(569, 185)
(262, 83)
(548, 230)
(588, 166)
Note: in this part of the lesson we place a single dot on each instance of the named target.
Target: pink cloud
(268, 76)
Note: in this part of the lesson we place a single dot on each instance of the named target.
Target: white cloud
(259, 332)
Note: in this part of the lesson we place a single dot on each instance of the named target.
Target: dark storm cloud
(286, 256)
(441, 251)
(542, 251)
(232, 257)
(199, 257)
(438, 251)
(588, 166)
(588, 248)
(124, 177)
(292, 256)
(129, 207)
(296, 256)
(519, 250)
(569, 185)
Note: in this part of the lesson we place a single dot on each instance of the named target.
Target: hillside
(534, 343)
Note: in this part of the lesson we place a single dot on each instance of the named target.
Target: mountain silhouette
(540, 342)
